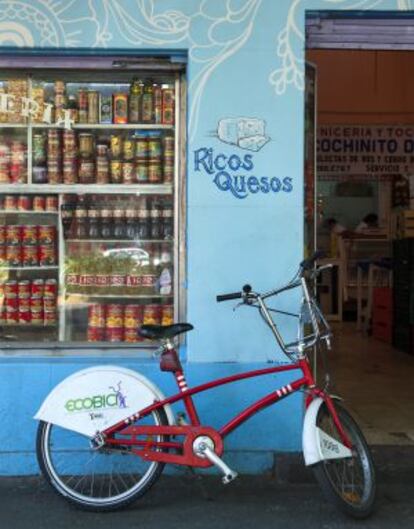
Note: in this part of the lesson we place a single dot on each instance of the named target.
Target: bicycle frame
(153, 449)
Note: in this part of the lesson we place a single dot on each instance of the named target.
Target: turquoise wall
(244, 223)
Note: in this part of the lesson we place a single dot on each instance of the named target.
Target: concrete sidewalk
(289, 500)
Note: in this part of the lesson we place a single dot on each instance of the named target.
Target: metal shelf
(135, 189)
(120, 296)
(29, 325)
(136, 241)
(27, 212)
(29, 267)
(13, 125)
(106, 126)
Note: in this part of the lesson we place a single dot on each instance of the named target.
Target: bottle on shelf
(143, 221)
(167, 222)
(72, 106)
(155, 221)
(81, 219)
(134, 101)
(166, 275)
(119, 222)
(147, 103)
(93, 222)
(131, 227)
(106, 230)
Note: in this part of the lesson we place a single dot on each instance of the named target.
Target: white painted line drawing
(246, 133)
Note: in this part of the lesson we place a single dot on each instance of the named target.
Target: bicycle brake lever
(238, 305)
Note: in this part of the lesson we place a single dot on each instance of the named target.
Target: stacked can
(54, 158)
(133, 319)
(154, 159)
(96, 323)
(83, 106)
(116, 151)
(168, 166)
(70, 153)
(168, 106)
(39, 158)
(30, 302)
(102, 164)
(86, 170)
(18, 164)
(60, 99)
(4, 163)
(114, 323)
(141, 160)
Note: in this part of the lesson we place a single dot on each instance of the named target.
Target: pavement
(289, 500)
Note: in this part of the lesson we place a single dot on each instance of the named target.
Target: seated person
(368, 223)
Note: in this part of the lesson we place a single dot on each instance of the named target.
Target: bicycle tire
(79, 444)
(355, 500)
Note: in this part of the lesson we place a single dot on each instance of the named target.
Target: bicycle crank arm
(203, 448)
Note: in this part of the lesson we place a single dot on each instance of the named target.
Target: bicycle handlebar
(227, 297)
(307, 264)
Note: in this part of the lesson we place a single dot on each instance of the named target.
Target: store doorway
(362, 210)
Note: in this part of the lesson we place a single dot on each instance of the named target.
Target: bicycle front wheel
(348, 482)
(105, 479)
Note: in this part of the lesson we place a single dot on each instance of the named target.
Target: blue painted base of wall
(251, 448)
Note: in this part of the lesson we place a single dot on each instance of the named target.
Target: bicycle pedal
(228, 478)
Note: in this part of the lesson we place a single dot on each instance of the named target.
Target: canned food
(128, 174)
(131, 335)
(96, 334)
(10, 202)
(96, 315)
(54, 171)
(152, 315)
(13, 234)
(70, 174)
(18, 152)
(49, 304)
(39, 203)
(29, 235)
(83, 99)
(2, 234)
(51, 203)
(24, 316)
(37, 288)
(59, 87)
(114, 334)
(167, 315)
(133, 315)
(46, 234)
(168, 146)
(39, 148)
(86, 145)
(157, 104)
(11, 289)
(116, 172)
(168, 172)
(24, 303)
(53, 143)
(37, 316)
(2, 253)
(36, 303)
(114, 316)
(50, 288)
(116, 146)
(29, 255)
(102, 170)
(12, 303)
(12, 315)
(141, 148)
(47, 255)
(23, 289)
(120, 108)
(141, 172)
(69, 143)
(168, 106)
(154, 148)
(154, 172)
(86, 172)
(101, 149)
(105, 109)
(93, 106)
(24, 203)
(49, 317)
(128, 150)
(18, 173)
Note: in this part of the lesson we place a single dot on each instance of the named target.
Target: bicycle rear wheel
(97, 480)
(349, 482)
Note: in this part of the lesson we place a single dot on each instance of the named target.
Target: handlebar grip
(227, 297)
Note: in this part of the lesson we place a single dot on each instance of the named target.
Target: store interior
(367, 292)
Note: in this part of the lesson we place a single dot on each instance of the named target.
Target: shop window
(89, 225)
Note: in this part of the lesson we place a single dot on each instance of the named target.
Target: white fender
(317, 444)
(93, 399)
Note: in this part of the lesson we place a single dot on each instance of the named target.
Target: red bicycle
(107, 432)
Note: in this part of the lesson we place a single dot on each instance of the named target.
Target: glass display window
(89, 205)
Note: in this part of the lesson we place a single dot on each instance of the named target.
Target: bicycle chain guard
(143, 442)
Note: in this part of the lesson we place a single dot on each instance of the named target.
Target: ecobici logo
(229, 173)
(115, 399)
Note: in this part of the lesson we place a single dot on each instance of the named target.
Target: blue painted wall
(245, 59)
